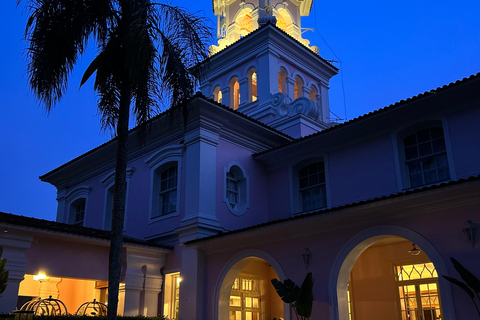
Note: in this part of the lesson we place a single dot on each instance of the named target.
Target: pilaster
(244, 94)
(191, 287)
(13, 247)
(201, 153)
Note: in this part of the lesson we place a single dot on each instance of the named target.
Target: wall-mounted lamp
(41, 277)
(306, 257)
(469, 231)
(415, 251)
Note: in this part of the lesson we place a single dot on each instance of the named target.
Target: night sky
(389, 51)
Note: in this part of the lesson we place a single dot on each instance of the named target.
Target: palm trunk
(119, 196)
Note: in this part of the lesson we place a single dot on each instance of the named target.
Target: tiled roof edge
(398, 104)
(338, 208)
(64, 228)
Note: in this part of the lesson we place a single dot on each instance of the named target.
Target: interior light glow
(41, 277)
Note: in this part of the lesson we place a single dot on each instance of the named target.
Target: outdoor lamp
(415, 251)
(469, 231)
(306, 257)
(41, 277)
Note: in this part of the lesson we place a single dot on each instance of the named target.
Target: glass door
(418, 292)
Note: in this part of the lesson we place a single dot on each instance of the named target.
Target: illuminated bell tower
(263, 67)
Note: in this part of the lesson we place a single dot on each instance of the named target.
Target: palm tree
(147, 53)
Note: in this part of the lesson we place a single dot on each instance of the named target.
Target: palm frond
(57, 32)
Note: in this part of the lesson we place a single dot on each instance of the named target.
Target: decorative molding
(109, 179)
(164, 153)
(75, 193)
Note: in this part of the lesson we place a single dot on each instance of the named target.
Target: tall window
(313, 94)
(217, 94)
(234, 93)
(236, 189)
(298, 88)
(252, 85)
(418, 291)
(107, 222)
(245, 298)
(426, 157)
(282, 81)
(245, 22)
(233, 194)
(77, 212)
(172, 295)
(312, 186)
(168, 190)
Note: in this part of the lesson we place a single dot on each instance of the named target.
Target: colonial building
(257, 183)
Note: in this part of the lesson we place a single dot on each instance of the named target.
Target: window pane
(423, 135)
(425, 148)
(438, 145)
(411, 152)
(425, 155)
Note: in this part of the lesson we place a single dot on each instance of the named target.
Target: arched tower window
(298, 88)
(313, 94)
(284, 21)
(245, 22)
(217, 94)
(252, 85)
(282, 81)
(234, 93)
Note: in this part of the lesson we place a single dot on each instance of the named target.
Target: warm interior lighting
(41, 277)
(179, 280)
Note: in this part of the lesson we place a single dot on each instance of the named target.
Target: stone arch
(230, 272)
(350, 252)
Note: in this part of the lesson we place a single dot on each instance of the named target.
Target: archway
(244, 290)
(366, 278)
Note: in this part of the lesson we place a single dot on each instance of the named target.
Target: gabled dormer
(263, 67)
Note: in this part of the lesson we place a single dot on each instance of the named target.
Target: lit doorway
(418, 291)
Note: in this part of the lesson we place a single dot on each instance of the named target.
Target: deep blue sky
(390, 50)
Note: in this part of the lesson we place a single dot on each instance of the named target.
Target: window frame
(242, 191)
(404, 174)
(72, 198)
(158, 163)
(296, 197)
(108, 183)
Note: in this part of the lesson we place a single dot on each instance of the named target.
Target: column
(200, 172)
(290, 88)
(143, 281)
(13, 247)
(244, 94)
(226, 97)
(191, 287)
